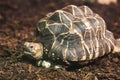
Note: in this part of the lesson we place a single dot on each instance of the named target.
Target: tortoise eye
(31, 46)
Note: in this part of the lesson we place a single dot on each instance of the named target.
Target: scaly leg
(48, 64)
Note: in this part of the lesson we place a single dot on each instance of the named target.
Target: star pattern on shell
(75, 34)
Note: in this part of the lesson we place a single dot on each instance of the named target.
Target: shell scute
(57, 28)
(87, 11)
(74, 11)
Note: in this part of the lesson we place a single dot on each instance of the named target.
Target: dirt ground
(18, 20)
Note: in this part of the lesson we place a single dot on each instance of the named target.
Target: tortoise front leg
(48, 64)
(44, 63)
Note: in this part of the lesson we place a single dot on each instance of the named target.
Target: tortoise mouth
(28, 52)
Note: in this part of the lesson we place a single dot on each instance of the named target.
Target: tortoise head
(33, 49)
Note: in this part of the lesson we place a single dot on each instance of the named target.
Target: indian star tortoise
(71, 34)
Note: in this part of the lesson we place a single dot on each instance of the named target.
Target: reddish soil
(18, 20)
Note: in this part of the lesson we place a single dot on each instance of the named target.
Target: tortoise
(71, 34)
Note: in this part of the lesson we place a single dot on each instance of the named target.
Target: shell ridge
(103, 37)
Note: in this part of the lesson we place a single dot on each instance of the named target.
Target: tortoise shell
(75, 34)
